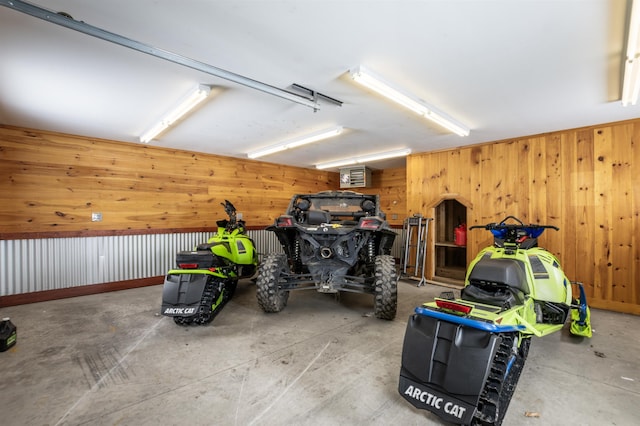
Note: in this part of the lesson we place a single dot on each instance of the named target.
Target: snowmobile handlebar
(518, 225)
(514, 232)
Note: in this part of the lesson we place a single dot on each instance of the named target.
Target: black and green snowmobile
(206, 277)
(461, 358)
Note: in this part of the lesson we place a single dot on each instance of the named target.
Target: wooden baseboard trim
(84, 290)
(608, 305)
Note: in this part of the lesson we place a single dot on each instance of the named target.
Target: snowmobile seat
(509, 272)
(498, 282)
(502, 296)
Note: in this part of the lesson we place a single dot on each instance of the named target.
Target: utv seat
(318, 217)
(497, 282)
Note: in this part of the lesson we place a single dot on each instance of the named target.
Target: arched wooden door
(448, 259)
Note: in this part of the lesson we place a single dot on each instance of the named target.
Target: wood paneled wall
(585, 181)
(52, 182)
(391, 185)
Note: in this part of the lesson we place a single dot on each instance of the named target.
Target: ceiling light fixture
(365, 159)
(368, 79)
(190, 101)
(631, 82)
(314, 137)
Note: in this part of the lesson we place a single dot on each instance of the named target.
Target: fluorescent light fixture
(186, 104)
(631, 82)
(314, 137)
(377, 84)
(365, 159)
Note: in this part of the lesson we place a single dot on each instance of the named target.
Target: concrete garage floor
(110, 359)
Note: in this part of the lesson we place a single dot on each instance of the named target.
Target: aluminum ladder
(415, 230)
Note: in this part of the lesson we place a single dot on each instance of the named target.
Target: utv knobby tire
(270, 297)
(385, 294)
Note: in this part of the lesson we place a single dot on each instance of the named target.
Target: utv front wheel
(385, 294)
(270, 297)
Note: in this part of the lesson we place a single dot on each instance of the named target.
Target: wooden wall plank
(622, 215)
(554, 202)
(635, 224)
(537, 188)
(487, 182)
(602, 166)
(585, 210)
(494, 181)
(568, 193)
(522, 179)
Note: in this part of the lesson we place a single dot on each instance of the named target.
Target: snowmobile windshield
(531, 232)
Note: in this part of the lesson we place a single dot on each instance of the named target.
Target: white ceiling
(505, 68)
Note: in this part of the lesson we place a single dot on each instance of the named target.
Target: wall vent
(355, 177)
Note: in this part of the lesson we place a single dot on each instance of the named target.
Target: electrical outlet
(239, 216)
(96, 217)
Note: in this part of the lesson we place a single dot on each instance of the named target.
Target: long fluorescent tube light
(314, 137)
(631, 82)
(368, 79)
(186, 104)
(365, 158)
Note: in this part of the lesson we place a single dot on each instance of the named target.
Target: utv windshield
(337, 205)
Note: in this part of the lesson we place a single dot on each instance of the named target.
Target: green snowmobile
(206, 277)
(462, 358)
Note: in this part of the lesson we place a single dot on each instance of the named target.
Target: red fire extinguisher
(460, 235)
